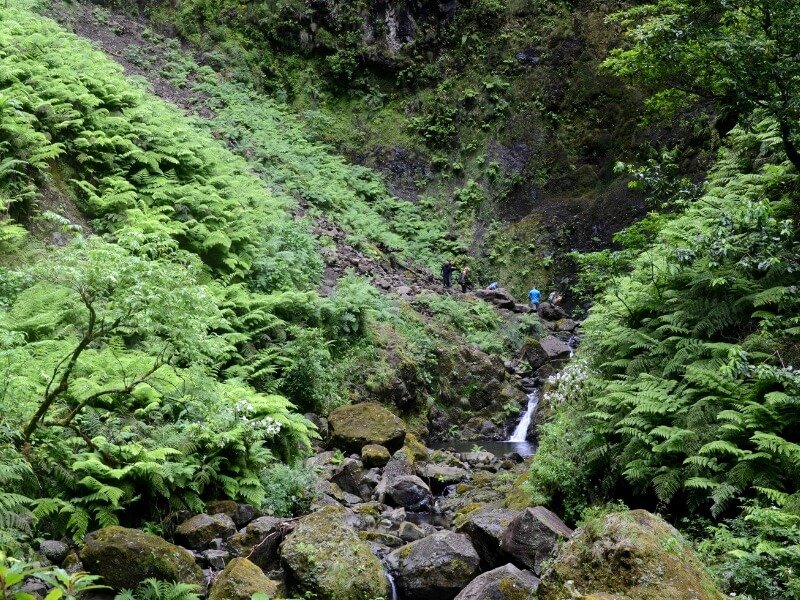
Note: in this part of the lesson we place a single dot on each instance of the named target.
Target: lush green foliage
(154, 589)
(690, 403)
(65, 586)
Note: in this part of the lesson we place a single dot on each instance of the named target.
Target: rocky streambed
(396, 520)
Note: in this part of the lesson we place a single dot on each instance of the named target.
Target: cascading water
(521, 432)
(392, 587)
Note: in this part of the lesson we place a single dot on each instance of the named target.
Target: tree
(101, 296)
(741, 54)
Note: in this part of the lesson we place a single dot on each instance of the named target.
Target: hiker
(493, 286)
(447, 274)
(555, 298)
(535, 297)
(463, 279)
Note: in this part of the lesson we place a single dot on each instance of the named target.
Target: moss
(519, 497)
(240, 580)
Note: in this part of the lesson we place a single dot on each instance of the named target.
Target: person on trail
(463, 279)
(535, 297)
(493, 286)
(447, 274)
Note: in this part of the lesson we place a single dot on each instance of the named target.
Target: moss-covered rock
(199, 532)
(125, 557)
(375, 455)
(325, 557)
(240, 580)
(630, 555)
(504, 583)
(356, 425)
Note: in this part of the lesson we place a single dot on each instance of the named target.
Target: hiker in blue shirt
(535, 296)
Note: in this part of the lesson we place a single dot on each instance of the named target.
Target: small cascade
(521, 432)
(392, 587)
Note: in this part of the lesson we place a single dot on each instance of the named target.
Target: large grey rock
(349, 476)
(532, 536)
(54, 551)
(436, 567)
(440, 476)
(410, 492)
(241, 514)
(356, 425)
(551, 312)
(125, 557)
(485, 528)
(503, 583)
(325, 558)
(555, 348)
(259, 541)
(199, 532)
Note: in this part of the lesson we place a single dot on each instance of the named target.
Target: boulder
(500, 297)
(125, 557)
(631, 555)
(410, 492)
(240, 580)
(566, 325)
(555, 348)
(199, 532)
(440, 476)
(241, 514)
(532, 536)
(349, 476)
(356, 425)
(415, 450)
(409, 532)
(259, 541)
(54, 551)
(375, 455)
(436, 567)
(485, 528)
(503, 583)
(216, 559)
(324, 557)
(551, 312)
(534, 354)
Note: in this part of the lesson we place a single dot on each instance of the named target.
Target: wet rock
(126, 557)
(240, 580)
(199, 532)
(436, 567)
(374, 455)
(54, 551)
(485, 528)
(259, 541)
(631, 554)
(410, 492)
(503, 583)
(324, 556)
(356, 425)
(566, 325)
(534, 354)
(532, 536)
(551, 312)
(382, 538)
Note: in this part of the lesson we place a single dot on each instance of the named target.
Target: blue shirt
(535, 296)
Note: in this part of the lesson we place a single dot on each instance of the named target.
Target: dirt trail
(141, 52)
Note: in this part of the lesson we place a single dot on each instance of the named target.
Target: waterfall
(392, 587)
(521, 432)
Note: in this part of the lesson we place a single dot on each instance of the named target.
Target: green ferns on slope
(691, 400)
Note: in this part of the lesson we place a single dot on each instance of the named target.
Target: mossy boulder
(533, 536)
(631, 555)
(375, 455)
(504, 583)
(125, 557)
(325, 557)
(436, 567)
(356, 425)
(259, 541)
(485, 528)
(240, 580)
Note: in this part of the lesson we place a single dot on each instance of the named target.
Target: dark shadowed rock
(349, 476)
(259, 541)
(54, 551)
(356, 425)
(504, 583)
(324, 557)
(410, 492)
(241, 514)
(629, 555)
(240, 580)
(199, 532)
(551, 312)
(485, 528)
(532, 536)
(410, 532)
(320, 423)
(555, 349)
(436, 567)
(125, 557)
(534, 354)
